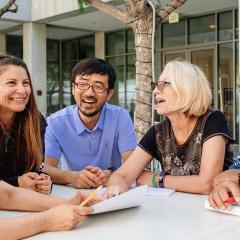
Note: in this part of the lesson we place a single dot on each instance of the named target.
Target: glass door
(205, 60)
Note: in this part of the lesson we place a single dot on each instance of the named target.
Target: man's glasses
(160, 85)
(97, 87)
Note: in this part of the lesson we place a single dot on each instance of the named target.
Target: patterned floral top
(185, 159)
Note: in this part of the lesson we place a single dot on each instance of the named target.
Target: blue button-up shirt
(67, 139)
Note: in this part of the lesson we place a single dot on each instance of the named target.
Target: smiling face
(90, 102)
(165, 99)
(15, 89)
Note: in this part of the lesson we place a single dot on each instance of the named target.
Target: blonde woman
(191, 143)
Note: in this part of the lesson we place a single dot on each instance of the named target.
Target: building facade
(51, 36)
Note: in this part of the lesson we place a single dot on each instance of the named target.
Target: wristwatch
(161, 176)
(112, 169)
(238, 178)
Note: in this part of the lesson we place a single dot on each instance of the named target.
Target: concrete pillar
(100, 45)
(2, 44)
(34, 54)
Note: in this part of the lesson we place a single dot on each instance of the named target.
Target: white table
(180, 216)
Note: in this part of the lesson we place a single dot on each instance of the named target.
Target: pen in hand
(230, 200)
(90, 196)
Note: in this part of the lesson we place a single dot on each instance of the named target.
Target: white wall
(48, 8)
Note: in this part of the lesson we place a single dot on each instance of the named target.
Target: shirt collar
(100, 122)
(80, 127)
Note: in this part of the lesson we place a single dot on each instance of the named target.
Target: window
(86, 47)
(59, 89)
(225, 25)
(53, 87)
(226, 82)
(15, 46)
(115, 43)
(173, 34)
(202, 29)
(213, 46)
(120, 53)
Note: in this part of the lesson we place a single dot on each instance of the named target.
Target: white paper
(159, 192)
(234, 211)
(132, 198)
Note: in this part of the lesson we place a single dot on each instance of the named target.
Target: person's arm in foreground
(60, 218)
(14, 198)
(213, 153)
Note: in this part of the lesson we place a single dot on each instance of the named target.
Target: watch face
(160, 180)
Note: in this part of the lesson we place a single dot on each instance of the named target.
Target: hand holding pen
(91, 198)
(224, 194)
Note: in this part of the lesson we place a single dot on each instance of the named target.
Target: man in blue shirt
(89, 139)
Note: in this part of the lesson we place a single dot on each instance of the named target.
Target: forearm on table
(191, 184)
(21, 227)
(58, 176)
(28, 200)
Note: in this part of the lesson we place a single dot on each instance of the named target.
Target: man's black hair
(94, 65)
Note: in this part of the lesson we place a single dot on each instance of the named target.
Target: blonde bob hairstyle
(192, 87)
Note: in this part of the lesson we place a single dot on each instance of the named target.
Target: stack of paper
(132, 198)
(234, 211)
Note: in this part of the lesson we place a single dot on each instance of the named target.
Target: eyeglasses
(160, 85)
(97, 87)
